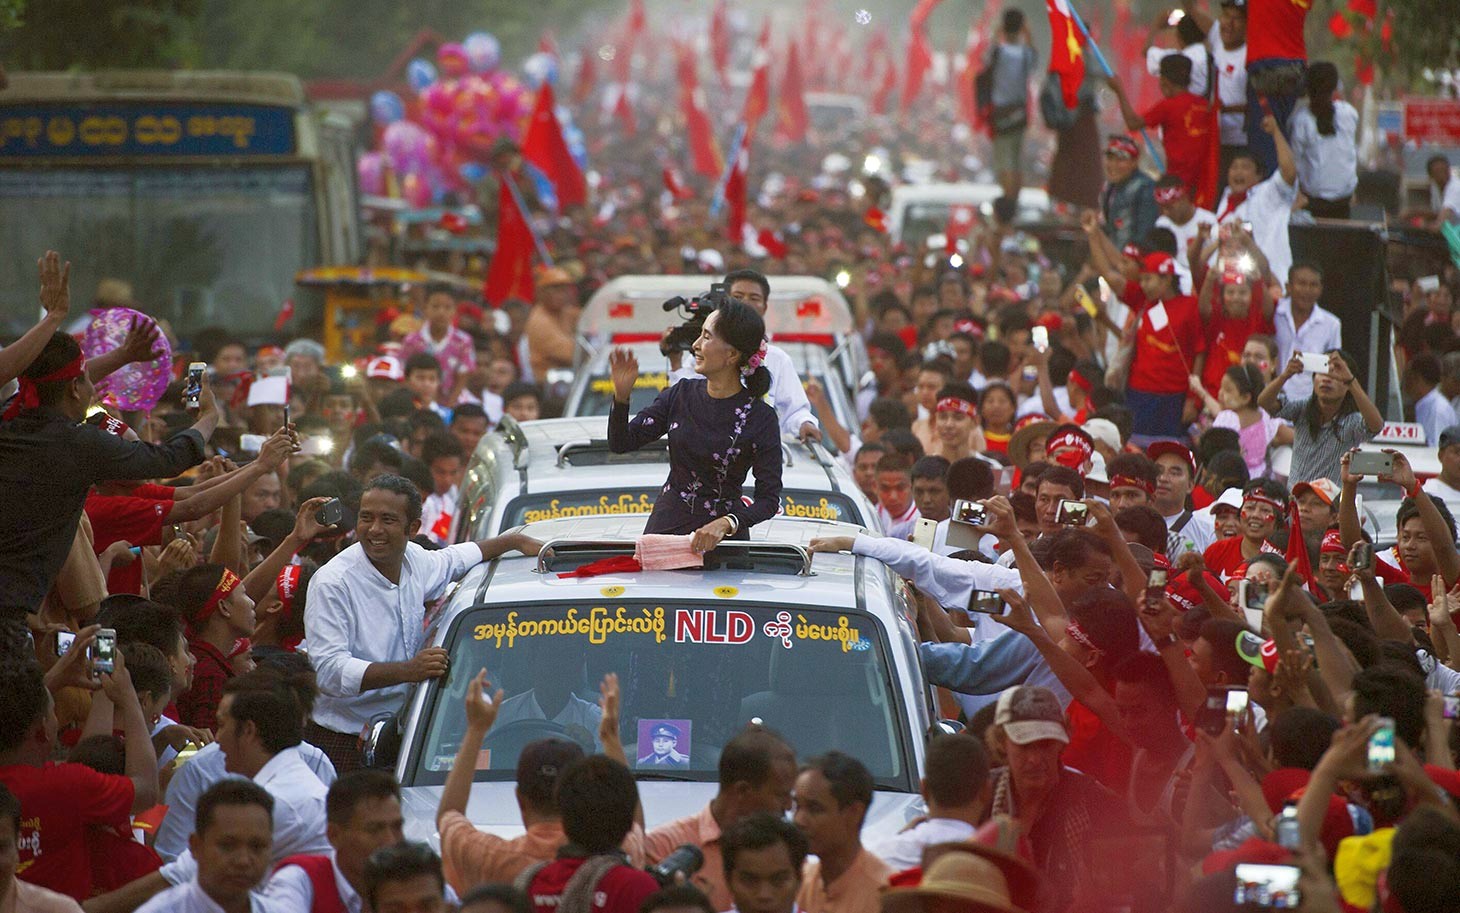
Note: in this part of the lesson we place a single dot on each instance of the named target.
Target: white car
(557, 468)
(919, 211)
(823, 651)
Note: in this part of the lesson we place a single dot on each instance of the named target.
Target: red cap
(1050, 321)
(1159, 262)
(1122, 146)
(1184, 594)
(1163, 447)
(385, 367)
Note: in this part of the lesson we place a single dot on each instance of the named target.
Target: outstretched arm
(56, 300)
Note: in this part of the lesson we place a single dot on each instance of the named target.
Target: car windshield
(691, 675)
(817, 505)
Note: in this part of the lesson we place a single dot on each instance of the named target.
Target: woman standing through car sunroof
(719, 427)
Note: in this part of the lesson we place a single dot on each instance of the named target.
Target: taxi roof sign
(1401, 433)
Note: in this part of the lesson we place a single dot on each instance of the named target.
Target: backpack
(578, 893)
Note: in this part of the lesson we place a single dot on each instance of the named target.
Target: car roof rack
(599, 447)
(560, 555)
(516, 440)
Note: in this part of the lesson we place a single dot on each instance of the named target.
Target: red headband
(226, 585)
(1078, 635)
(287, 586)
(1261, 498)
(1079, 380)
(1165, 195)
(1071, 438)
(954, 404)
(29, 398)
(1120, 481)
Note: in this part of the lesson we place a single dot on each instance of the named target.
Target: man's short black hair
(400, 862)
(993, 358)
(1426, 367)
(750, 757)
(891, 343)
(889, 413)
(849, 779)
(1221, 634)
(26, 700)
(1308, 265)
(399, 485)
(956, 769)
(1405, 597)
(501, 893)
(441, 446)
(1013, 21)
(1176, 69)
(230, 791)
(904, 443)
(1300, 735)
(422, 361)
(757, 832)
(970, 479)
(375, 451)
(103, 753)
(1408, 510)
(1141, 668)
(539, 768)
(1396, 693)
(146, 623)
(268, 699)
(597, 797)
(677, 897)
(355, 787)
(931, 467)
(1058, 474)
(148, 668)
(468, 410)
(1146, 523)
(749, 275)
(521, 388)
(1108, 617)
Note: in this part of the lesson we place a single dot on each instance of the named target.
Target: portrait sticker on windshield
(663, 744)
(596, 625)
(707, 626)
(590, 506)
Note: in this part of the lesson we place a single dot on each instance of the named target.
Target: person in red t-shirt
(1426, 530)
(218, 612)
(59, 802)
(1244, 309)
(1167, 342)
(1276, 59)
(596, 798)
(1187, 125)
(1263, 503)
(137, 513)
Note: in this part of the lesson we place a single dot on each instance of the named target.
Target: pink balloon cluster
(453, 125)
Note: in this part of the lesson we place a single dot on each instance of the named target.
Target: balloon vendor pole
(1105, 66)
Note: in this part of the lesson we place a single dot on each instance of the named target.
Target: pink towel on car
(667, 553)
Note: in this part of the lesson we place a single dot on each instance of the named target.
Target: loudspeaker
(1355, 285)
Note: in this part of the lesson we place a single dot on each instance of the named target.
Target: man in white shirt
(1444, 190)
(1183, 218)
(787, 394)
(1303, 326)
(365, 628)
(260, 728)
(364, 814)
(233, 848)
(1266, 204)
(1421, 386)
(1176, 474)
(956, 786)
(1446, 485)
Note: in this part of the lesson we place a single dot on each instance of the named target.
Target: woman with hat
(720, 429)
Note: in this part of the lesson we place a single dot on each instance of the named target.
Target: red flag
(587, 75)
(545, 147)
(623, 109)
(1341, 28)
(441, 529)
(792, 119)
(1066, 54)
(772, 243)
(720, 41)
(675, 185)
(1369, 9)
(510, 273)
(919, 52)
(883, 96)
(704, 151)
(1297, 554)
(286, 314)
(547, 43)
(637, 21)
(735, 192)
(973, 53)
(758, 98)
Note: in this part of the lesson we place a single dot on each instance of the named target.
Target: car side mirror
(382, 742)
(945, 727)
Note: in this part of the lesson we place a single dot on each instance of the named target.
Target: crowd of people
(207, 603)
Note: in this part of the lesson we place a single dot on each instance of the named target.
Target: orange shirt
(470, 857)
(858, 890)
(703, 831)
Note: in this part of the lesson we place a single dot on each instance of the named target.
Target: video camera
(696, 311)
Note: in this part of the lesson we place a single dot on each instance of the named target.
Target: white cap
(1232, 498)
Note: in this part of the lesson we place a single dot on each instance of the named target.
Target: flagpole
(1105, 65)
(718, 200)
(542, 250)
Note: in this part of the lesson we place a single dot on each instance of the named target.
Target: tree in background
(98, 34)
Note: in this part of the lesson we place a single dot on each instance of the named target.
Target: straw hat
(971, 881)
(1025, 431)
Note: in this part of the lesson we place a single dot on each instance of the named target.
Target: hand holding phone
(1371, 463)
(1039, 336)
(104, 651)
(1381, 745)
(330, 513)
(193, 392)
(1314, 362)
(1073, 513)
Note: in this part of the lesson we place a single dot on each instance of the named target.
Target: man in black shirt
(49, 459)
